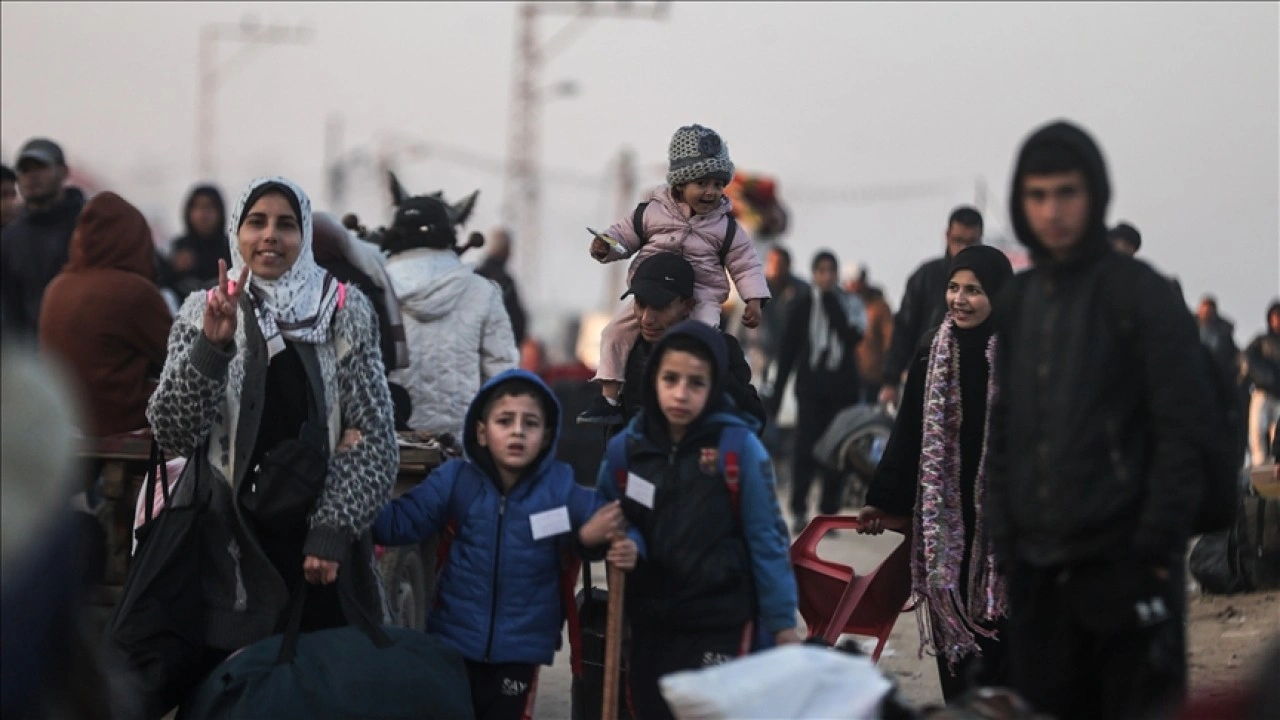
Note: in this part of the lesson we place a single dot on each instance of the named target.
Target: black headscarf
(991, 266)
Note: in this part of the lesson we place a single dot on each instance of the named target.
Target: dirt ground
(1227, 638)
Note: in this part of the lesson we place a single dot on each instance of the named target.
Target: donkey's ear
(398, 195)
(461, 210)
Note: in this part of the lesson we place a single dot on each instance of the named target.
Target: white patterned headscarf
(298, 305)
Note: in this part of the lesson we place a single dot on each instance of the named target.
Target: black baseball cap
(661, 279)
(43, 151)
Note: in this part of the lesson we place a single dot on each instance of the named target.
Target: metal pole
(204, 121)
(335, 163)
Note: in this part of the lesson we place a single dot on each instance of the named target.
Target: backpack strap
(731, 232)
(342, 294)
(733, 442)
(637, 223)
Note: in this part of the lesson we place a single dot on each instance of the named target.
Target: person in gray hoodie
(456, 324)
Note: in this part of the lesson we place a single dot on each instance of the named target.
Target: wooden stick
(613, 643)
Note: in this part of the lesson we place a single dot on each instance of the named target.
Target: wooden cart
(408, 572)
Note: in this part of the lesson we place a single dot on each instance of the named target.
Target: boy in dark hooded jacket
(498, 601)
(711, 571)
(1096, 442)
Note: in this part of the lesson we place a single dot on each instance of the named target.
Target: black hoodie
(697, 571)
(207, 249)
(1263, 358)
(1096, 434)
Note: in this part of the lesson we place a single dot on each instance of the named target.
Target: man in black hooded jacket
(1096, 467)
(924, 302)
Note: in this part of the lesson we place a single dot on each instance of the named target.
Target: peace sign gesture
(220, 306)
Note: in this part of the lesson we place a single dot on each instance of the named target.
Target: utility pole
(626, 207)
(522, 202)
(252, 35)
(335, 163)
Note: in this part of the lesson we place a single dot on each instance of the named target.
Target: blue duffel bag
(362, 670)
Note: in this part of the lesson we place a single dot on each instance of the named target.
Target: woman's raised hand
(220, 307)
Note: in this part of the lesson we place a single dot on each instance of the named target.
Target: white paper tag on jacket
(550, 523)
(640, 490)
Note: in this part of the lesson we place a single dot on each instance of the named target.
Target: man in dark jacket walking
(1263, 360)
(494, 267)
(924, 302)
(35, 246)
(821, 345)
(1096, 443)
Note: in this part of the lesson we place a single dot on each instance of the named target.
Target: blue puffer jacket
(498, 598)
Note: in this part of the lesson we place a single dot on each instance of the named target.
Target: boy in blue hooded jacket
(713, 574)
(515, 508)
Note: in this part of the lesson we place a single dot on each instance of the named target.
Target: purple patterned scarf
(938, 531)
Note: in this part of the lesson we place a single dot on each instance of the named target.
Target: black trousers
(1078, 650)
(655, 653)
(814, 412)
(990, 668)
(500, 691)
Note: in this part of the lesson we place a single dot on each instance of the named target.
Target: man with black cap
(35, 246)
(663, 290)
(1096, 450)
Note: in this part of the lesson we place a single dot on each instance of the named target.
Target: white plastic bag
(793, 681)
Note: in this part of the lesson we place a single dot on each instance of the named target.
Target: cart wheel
(406, 584)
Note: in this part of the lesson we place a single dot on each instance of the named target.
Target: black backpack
(1220, 458)
(637, 224)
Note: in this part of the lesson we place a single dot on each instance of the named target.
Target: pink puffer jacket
(698, 240)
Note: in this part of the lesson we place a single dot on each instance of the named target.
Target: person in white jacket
(457, 328)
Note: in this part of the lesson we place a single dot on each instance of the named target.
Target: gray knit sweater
(208, 393)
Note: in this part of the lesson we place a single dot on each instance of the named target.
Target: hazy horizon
(838, 101)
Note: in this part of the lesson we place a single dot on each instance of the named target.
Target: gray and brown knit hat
(697, 152)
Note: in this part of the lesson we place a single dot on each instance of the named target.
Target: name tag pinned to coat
(640, 490)
(550, 523)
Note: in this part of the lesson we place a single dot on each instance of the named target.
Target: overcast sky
(843, 103)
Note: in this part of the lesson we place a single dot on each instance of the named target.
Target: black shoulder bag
(291, 475)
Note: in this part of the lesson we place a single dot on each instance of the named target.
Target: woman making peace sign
(283, 354)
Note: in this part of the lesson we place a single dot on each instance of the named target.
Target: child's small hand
(623, 554)
(751, 316)
(605, 524)
(599, 249)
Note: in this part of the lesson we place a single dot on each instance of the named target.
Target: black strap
(637, 223)
(729, 234)
(352, 610)
(157, 472)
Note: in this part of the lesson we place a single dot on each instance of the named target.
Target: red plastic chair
(835, 600)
